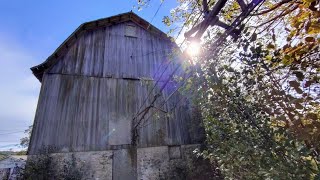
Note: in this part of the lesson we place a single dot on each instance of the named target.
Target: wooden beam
(205, 7)
(242, 4)
(209, 19)
(203, 28)
(221, 24)
(234, 33)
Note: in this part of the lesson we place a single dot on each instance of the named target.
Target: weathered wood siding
(107, 52)
(88, 99)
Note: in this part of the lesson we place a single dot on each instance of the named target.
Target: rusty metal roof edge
(38, 70)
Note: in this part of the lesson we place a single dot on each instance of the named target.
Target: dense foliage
(47, 166)
(259, 95)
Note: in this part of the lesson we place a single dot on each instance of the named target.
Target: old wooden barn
(93, 86)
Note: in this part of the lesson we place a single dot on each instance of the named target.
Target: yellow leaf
(269, 57)
(314, 28)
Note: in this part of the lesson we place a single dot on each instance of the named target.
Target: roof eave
(39, 70)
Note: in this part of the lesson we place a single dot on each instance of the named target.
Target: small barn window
(131, 31)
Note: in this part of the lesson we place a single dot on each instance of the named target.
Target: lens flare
(193, 48)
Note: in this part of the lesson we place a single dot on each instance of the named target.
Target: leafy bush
(47, 166)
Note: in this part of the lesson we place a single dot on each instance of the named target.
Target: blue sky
(29, 32)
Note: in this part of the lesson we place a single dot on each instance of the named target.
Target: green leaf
(269, 57)
(287, 57)
(166, 20)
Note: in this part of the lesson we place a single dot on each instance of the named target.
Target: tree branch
(205, 7)
(284, 13)
(273, 8)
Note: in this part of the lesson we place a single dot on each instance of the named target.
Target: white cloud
(18, 92)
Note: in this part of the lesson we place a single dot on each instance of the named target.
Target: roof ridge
(38, 70)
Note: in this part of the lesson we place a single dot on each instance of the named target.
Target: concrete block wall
(162, 162)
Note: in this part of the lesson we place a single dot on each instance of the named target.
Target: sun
(193, 49)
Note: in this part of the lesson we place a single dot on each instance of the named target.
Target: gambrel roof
(39, 70)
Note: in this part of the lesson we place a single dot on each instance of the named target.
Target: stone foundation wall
(163, 162)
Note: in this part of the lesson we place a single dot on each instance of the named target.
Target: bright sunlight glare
(193, 48)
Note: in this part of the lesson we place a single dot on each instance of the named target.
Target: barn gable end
(95, 84)
(111, 52)
(39, 70)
